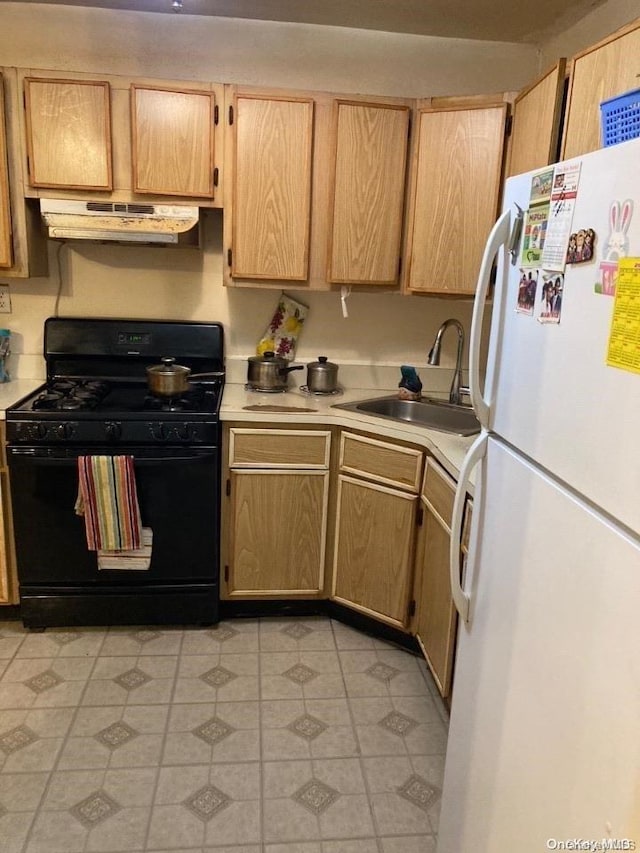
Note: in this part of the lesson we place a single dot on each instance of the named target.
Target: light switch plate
(5, 299)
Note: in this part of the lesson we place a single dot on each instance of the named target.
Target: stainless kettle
(322, 376)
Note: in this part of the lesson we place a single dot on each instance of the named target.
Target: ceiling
(514, 20)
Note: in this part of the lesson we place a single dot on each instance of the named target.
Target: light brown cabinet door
(537, 113)
(68, 133)
(456, 177)
(271, 187)
(172, 137)
(6, 253)
(436, 618)
(603, 71)
(373, 554)
(368, 192)
(278, 527)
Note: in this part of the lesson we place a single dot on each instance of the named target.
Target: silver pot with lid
(269, 372)
(322, 376)
(168, 379)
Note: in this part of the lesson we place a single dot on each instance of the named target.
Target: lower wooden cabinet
(278, 525)
(381, 527)
(435, 617)
(275, 512)
(373, 556)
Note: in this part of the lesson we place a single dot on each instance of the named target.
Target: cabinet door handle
(475, 453)
(498, 238)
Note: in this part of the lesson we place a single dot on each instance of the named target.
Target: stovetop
(97, 392)
(98, 398)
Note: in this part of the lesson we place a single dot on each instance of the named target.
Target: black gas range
(96, 401)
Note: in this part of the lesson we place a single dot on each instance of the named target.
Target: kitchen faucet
(457, 388)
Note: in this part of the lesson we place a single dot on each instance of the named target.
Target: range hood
(120, 222)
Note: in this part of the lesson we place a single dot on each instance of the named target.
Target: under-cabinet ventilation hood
(121, 222)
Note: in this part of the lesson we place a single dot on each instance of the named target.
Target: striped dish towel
(108, 500)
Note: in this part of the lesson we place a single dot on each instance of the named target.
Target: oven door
(178, 493)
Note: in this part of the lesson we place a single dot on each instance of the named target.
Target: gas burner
(71, 404)
(191, 401)
(47, 400)
(62, 385)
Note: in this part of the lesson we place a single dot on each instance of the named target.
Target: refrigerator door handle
(475, 453)
(500, 236)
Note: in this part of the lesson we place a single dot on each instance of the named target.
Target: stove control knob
(41, 431)
(158, 432)
(113, 430)
(185, 432)
(61, 431)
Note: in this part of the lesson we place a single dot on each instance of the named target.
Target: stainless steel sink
(434, 414)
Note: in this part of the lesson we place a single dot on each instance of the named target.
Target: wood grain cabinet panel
(436, 617)
(68, 133)
(373, 554)
(537, 113)
(6, 250)
(271, 187)
(605, 70)
(456, 184)
(278, 521)
(172, 135)
(279, 448)
(386, 463)
(368, 192)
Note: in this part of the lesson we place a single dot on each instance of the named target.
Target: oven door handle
(45, 458)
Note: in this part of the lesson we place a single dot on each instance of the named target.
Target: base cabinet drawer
(279, 448)
(391, 464)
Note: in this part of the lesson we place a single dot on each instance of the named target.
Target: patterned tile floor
(261, 736)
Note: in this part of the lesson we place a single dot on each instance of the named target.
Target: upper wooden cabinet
(315, 189)
(271, 187)
(121, 139)
(68, 133)
(368, 192)
(607, 69)
(172, 138)
(23, 245)
(6, 249)
(456, 178)
(537, 114)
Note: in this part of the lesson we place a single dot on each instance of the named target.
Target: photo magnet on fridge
(527, 287)
(581, 246)
(550, 301)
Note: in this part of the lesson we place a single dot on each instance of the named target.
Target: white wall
(158, 283)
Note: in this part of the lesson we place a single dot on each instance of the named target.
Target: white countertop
(16, 389)
(448, 449)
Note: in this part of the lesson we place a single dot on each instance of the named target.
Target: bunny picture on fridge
(544, 740)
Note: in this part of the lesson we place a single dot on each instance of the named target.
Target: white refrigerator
(544, 739)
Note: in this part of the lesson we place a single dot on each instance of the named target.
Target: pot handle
(284, 370)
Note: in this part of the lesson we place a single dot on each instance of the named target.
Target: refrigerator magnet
(581, 246)
(527, 288)
(615, 247)
(550, 301)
